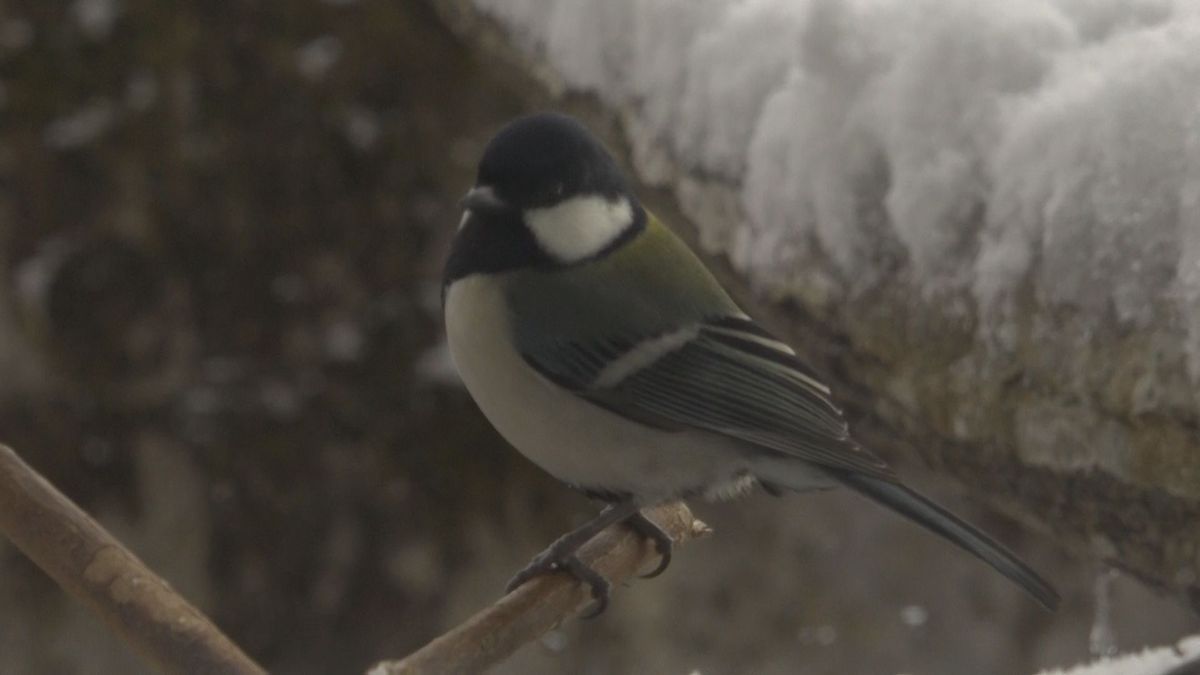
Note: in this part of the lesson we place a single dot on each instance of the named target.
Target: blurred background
(221, 234)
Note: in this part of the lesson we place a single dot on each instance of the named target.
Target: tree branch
(521, 616)
(94, 567)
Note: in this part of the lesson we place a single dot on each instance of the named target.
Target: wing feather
(733, 388)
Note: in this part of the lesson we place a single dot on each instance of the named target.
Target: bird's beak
(483, 199)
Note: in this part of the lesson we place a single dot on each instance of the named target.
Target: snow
(1156, 661)
(1000, 158)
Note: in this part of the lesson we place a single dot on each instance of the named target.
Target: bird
(604, 350)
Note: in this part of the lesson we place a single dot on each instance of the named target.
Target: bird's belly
(574, 440)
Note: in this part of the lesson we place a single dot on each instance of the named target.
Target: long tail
(937, 519)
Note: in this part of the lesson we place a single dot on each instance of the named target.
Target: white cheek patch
(579, 227)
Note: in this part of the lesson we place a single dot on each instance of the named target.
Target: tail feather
(937, 519)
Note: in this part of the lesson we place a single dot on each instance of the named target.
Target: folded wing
(725, 375)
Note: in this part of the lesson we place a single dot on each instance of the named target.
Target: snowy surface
(1029, 168)
(1146, 662)
(1057, 142)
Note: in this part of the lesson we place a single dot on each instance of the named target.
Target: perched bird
(600, 346)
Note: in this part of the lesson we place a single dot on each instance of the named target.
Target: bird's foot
(662, 541)
(560, 556)
(547, 562)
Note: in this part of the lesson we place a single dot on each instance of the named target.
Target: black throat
(490, 244)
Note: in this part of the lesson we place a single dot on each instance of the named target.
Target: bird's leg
(662, 541)
(561, 554)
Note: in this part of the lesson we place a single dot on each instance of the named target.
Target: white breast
(576, 441)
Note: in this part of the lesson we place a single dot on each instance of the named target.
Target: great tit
(601, 347)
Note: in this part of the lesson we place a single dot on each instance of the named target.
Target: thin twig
(90, 564)
(525, 614)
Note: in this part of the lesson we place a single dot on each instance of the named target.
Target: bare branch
(521, 616)
(94, 567)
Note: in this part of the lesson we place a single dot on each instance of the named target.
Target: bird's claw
(662, 541)
(560, 556)
(571, 565)
(594, 580)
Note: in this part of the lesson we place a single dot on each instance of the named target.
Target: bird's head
(547, 193)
